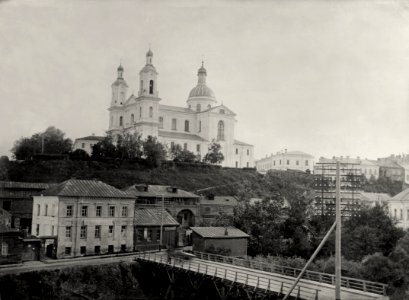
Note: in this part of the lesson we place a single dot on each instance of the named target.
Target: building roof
(389, 164)
(220, 200)
(25, 185)
(374, 197)
(402, 196)
(86, 188)
(90, 138)
(181, 135)
(153, 217)
(237, 142)
(219, 232)
(137, 190)
(177, 108)
(202, 90)
(296, 152)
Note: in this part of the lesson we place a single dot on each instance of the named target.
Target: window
(401, 214)
(37, 229)
(46, 210)
(139, 236)
(7, 205)
(52, 230)
(198, 148)
(186, 125)
(124, 211)
(84, 211)
(151, 87)
(140, 112)
(83, 250)
(98, 211)
(98, 231)
(132, 118)
(38, 209)
(97, 249)
(248, 152)
(198, 107)
(288, 162)
(111, 229)
(247, 164)
(112, 211)
(67, 250)
(69, 210)
(237, 150)
(173, 124)
(274, 163)
(237, 164)
(82, 145)
(150, 111)
(407, 214)
(4, 249)
(110, 248)
(68, 231)
(185, 146)
(221, 111)
(123, 230)
(121, 121)
(306, 162)
(395, 213)
(83, 234)
(157, 235)
(123, 247)
(172, 145)
(220, 131)
(149, 238)
(280, 162)
(160, 122)
(53, 210)
(200, 126)
(297, 162)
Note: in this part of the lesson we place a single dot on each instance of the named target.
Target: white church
(193, 127)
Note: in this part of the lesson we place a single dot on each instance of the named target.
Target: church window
(306, 162)
(186, 125)
(248, 152)
(220, 131)
(297, 163)
(185, 146)
(121, 121)
(237, 164)
(151, 87)
(198, 107)
(140, 112)
(173, 124)
(132, 118)
(160, 122)
(200, 126)
(237, 150)
(198, 147)
(247, 164)
(288, 161)
(150, 111)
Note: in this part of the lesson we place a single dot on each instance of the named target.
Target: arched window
(150, 111)
(151, 87)
(187, 126)
(132, 118)
(200, 126)
(121, 121)
(160, 122)
(4, 249)
(198, 107)
(220, 131)
(140, 112)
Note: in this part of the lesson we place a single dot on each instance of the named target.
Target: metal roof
(86, 188)
(219, 232)
(402, 196)
(153, 217)
(236, 142)
(157, 191)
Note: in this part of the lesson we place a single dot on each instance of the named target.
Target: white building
(86, 143)
(193, 127)
(399, 208)
(286, 160)
(369, 168)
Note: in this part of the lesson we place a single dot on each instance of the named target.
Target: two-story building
(286, 160)
(80, 217)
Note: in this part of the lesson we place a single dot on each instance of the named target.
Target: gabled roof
(237, 142)
(219, 232)
(181, 135)
(227, 111)
(86, 188)
(402, 196)
(153, 217)
(90, 138)
(157, 191)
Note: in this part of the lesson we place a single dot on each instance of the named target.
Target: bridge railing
(247, 278)
(348, 282)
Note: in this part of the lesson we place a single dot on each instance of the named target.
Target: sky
(324, 77)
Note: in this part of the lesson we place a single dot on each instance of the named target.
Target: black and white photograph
(204, 150)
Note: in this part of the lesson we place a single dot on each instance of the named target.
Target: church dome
(201, 89)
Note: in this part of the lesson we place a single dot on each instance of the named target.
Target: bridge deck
(258, 279)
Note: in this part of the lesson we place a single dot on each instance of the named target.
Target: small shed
(220, 240)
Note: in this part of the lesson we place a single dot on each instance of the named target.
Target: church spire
(201, 74)
(120, 71)
(149, 56)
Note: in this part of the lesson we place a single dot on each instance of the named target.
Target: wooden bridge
(262, 281)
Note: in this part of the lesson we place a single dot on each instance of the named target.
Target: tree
(214, 155)
(178, 154)
(79, 154)
(104, 149)
(153, 151)
(129, 145)
(52, 141)
(4, 165)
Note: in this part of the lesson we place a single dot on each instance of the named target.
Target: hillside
(124, 173)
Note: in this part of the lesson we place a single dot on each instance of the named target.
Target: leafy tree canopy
(52, 139)
(153, 151)
(214, 154)
(178, 154)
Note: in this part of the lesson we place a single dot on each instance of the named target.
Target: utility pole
(338, 237)
(161, 222)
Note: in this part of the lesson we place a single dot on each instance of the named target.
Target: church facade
(193, 127)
